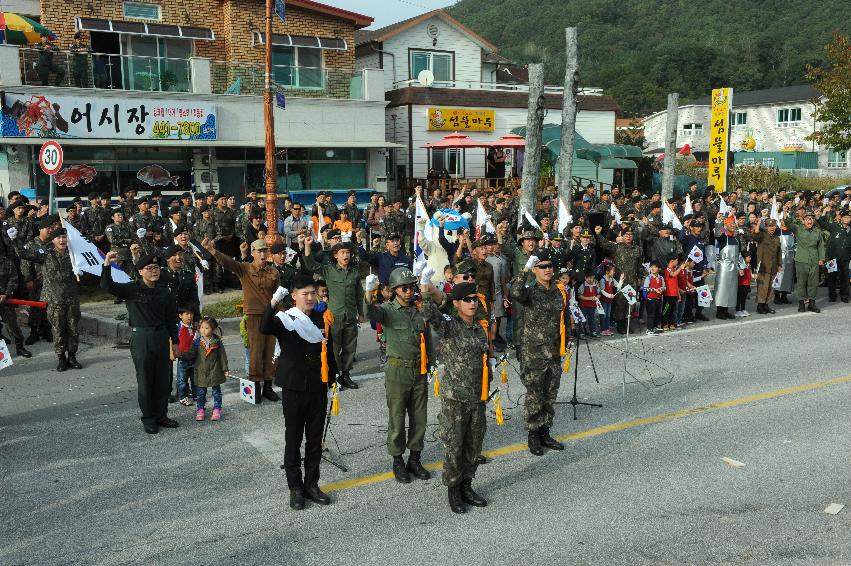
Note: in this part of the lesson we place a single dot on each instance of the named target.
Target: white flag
(529, 218)
(421, 233)
(775, 210)
(687, 207)
(483, 220)
(564, 217)
(86, 257)
(723, 207)
(668, 216)
(616, 214)
(199, 280)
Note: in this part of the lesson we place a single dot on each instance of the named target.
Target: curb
(119, 330)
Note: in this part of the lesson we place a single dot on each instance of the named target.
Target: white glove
(419, 265)
(438, 216)
(492, 364)
(140, 233)
(12, 233)
(279, 295)
(467, 215)
(532, 262)
(421, 221)
(205, 264)
(425, 278)
(371, 283)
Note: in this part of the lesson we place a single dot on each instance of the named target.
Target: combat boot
(548, 441)
(346, 381)
(455, 501)
(63, 363)
(269, 393)
(73, 363)
(415, 467)
(812, 307)
(47, 336)
(471, 497)
(535, 443)
(31, 339)
(21, 351)
(399, 470)
(801, 306)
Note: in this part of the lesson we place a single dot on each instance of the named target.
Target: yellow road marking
(614, 427)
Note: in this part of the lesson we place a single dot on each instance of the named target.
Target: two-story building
(440, 77)
(767, 127)
(169, 96)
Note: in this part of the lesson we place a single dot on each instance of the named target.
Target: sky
(387, 12)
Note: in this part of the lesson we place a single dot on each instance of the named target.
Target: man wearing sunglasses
(405, 385)
(540, 357)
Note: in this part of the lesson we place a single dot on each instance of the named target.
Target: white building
(767, 126)
(473, 91)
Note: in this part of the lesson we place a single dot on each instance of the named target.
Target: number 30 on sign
(50, 157)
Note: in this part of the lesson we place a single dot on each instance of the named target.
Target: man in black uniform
(153, 320)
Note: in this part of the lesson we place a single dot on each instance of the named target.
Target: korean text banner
(722, 101)
(58, 116)
(460, 120)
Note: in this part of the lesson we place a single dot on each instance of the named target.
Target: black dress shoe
(23, 352)
(400, 472)
(471, 497)
(47, 337)
(73, 363)
(168, 423)
(151, 428)
(456, 503)
(172, 399)
(548, 441)
(802, 307)
(768, 310)
(316, 495)
(844, 300)
(535, 443)
(481, 459)
(831, 299)
(415, 467)
(346, 382)
(812, 307)
(296, 499)
(63, 363)
(269, 393)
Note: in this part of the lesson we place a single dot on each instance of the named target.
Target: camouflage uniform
(462, 421)
(353, 213)
(540, 360)
(120, 237)
(140, 220)
(25, 227)
(8, 286)
(129, 208)
(627, 260)
(393, 222)
(61, 293)
(94, 221)
(31, 271)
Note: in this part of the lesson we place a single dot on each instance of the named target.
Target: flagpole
(272, 236)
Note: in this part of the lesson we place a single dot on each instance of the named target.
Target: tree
(834, 83)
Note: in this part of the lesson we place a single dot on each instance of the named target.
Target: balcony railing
(477, 85)
(104, 70)
(236, 78)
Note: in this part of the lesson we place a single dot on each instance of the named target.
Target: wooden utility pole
(534, 125)
(272, 236)
(568, 117)
(670, 147)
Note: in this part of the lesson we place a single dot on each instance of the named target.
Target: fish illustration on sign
(156, 176)
(71, 176)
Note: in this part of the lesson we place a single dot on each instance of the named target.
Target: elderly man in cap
(59, 290)
(768, 262)
(809, 257)
(259, 280)
(727, 272)
(345, 301)
(152, 314)
(388, 260)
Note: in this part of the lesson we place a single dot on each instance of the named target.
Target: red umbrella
(456, 140)
(510, 140)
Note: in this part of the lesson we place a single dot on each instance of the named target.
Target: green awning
(600, 151)
(616, 163)
(594, 152)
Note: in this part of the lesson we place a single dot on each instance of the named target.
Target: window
(837, 159)
(740, 119)
(748, 161)
(142, 11)
(690, 130)
(438, 63)
(449, 159)
(297, 67)
(788, 117)
(768, 161)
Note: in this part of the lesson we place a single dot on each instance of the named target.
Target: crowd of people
(503, 278)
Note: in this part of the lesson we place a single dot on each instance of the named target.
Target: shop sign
(719, 138)
(71, 117)
(460, 120)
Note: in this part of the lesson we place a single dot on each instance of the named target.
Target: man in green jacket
(345, 301)
(838, 249)
(406, 385)
(809, 256)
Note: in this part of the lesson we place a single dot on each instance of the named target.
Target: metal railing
(229, 77)
(104, 70)
(477, 85)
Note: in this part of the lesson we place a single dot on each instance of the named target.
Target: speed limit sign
(50, 157)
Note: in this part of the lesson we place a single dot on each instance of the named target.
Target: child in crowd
(686, 314)
(186, 338)
(587, 294)
(608, 289)
(321, 296)
(449, 273)
(653, 288)
(671, 294)
(344, 224)
(211, 368)
(243, 332)
(745, 278)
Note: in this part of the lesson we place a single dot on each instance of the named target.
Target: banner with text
(722, 101)
(460, 120)
(64, 117)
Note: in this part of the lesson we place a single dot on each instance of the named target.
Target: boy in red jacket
(745, 278)
(186, 337)
(653, 287)
(587, 295)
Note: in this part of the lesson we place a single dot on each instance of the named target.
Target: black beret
(141, 200)
(70, 206)
(106, 195)
(93, 195)
(117, 210)
(279, 248)
(58, 232)
(203, 208)
(77, 199)
(352, 194)
(462, 290)
(186, 195)
(146, 260)
(200, 196)
(333, 233)
(156, 193)
(46, 222)
(172, 251)
(178, 231)
(174, 210)
(220, 196)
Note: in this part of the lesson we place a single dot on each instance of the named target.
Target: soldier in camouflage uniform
(31, 273)
(128, 205)
(193, 213)
(207, 229)
(540, 359)
(72, 217)
(120, 236)
(517, 257)
(8, 287)
(226, 239)
(406, 385)
(95, 219)
(352, 210)
(21, 222)
(627, 257)
(394, 222)
(143, 218)
(61, 293)
(462, 418)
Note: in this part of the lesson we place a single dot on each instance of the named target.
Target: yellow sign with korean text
(460, 120)
(719, 139)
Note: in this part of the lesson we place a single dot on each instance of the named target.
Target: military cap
(259, 245)
(845, 212)
(489, 239)
(333, 233)
(117, 210)
(211, 193)
(178, 231)
(462, 290)
(809, 212)
(146, 260)
(544, 256)
(401, 276)
(278, 248)
(58, 232)
(340, 246)
(220, 196)
(106, 195)
(352, 194)
(42, 202)
(770, 222)
(666, 226)
(70, 206)
(141, 201)
(558, 238)
(586, 233)
(172, 251)
(203, 208)
(18, 204)
(157, 227)
(499, 200)
(586, 198)
(174, 210)
(200, 196)
(528, 235)
(688, 217)
(466, 266)
(479, 243)
(46, 222)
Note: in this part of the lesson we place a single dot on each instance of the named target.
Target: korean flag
(248, 391)
(696, 254)
(831, 266)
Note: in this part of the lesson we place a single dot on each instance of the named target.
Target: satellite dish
(426, 77)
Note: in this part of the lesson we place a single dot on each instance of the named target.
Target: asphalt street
(642, 480)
